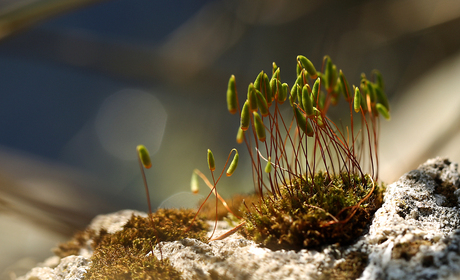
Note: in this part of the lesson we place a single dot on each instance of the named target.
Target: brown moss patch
(124, 254)
(349, 269)
(407, 250)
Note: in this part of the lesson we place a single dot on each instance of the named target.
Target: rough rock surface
(414, 235)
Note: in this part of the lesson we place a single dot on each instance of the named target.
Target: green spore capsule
(345, 86)
(329, 75)
(381, 97)
(274, 87)
(302, 122)
(245, 116)
(267, 91)
(275, 67)
(276, 74)
(307, 65)
(262, 104)
(293, 96)
(299, 80)
(231, 96)
(268, 167)
(357, 100)
(383, 111)
(378, 79)
(282, 94)
(334, 76)
(252, 98)
(194, 184)
(318, 117)
(370, 90)
(259, 80)
(306, 101)
(240, 136)
(315, 91)
(144, 156)
(260, 128)
(233, 164)
(211, 162)
(299, 95)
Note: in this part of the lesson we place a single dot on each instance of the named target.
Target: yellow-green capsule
(259, 80)
(231, 96)
(306, 101)
(318, 117)
(302, 122)
(293, 96)
(233, 164)
(273, 87)
(299, 80)
(299, 95)
(267, 91)
(282, 93)
(252, 98)
(379, 79)
(307, 65)
(357, 100)
(262, 103)
(240, 136)
(334, 75)
(275, 67)
(259, 126)
(144, 156)
(245, 116)
(211, 162)
(268, 167)
(381, 97)
(194, 184)
(370, 90)
(329, 73)
(315, 91)
(382, 110)
(321, 99)
(276, 74)
(345, 86)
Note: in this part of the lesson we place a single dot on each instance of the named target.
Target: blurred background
(83, 82)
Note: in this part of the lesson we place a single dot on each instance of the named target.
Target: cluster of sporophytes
(316, 179)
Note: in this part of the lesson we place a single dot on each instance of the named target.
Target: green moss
(123, 255)
(307, 215)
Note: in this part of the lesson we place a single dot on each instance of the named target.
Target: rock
(75, 267)
(414, 235)
(69, 268)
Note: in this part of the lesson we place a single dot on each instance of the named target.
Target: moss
(123, 255)
(350, 268)
(307, 215)
(407, 250)
(73, 246)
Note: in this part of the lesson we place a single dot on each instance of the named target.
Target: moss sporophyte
(316, 181)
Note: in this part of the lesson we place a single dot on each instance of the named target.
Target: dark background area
(81, 85)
